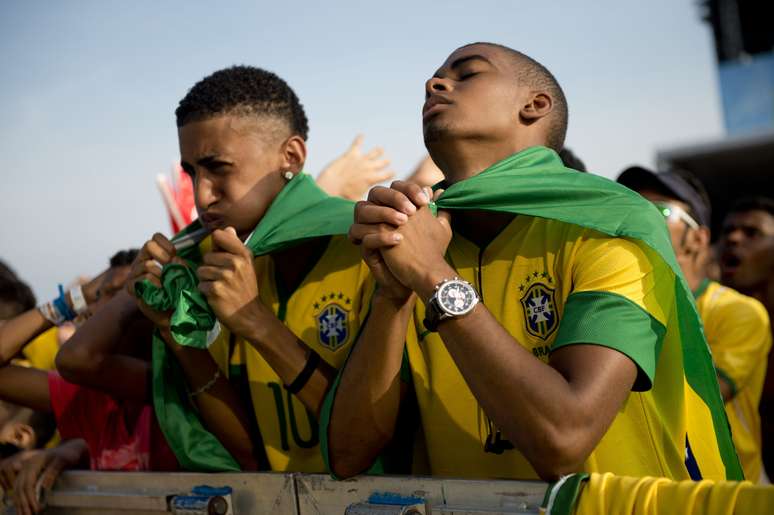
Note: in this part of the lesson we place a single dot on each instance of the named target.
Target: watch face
(456, 297)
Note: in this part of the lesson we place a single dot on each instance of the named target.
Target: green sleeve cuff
(612, 320)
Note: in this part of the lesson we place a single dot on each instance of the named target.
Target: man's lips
(433, 105)
(730, 262)
(211, 220)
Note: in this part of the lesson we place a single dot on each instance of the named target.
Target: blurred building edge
(742, 163)
(744, 45)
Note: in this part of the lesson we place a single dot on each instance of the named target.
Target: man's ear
(538, 105)
(294, 154)
(698, 241)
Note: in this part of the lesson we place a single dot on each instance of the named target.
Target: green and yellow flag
(301, 211)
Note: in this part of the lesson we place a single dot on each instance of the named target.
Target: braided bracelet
(209, 384)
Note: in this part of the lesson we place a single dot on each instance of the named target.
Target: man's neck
(764, 292)
(294, 263)
(461, 159)
(694, 279)
(693, 268)
(480, 227)
(464, 158)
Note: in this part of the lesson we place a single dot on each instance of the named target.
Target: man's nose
(205, 193)
(734, 236)
(436, 85)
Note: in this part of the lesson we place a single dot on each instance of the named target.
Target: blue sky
(89, 90)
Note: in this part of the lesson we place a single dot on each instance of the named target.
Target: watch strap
(433, 314)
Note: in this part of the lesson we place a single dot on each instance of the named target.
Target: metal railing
(124, 493)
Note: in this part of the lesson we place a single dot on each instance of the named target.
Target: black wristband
(303, 377)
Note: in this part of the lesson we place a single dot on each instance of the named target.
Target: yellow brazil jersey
(552, 284)
(739, 335)
(326, 312)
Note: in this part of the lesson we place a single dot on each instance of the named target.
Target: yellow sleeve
(739, 335)
(622, 267)
(620, 299)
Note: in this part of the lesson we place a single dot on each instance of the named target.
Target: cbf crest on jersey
(332, 320)
(540, 316)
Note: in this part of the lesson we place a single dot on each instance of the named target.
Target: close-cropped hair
(16, 296)
(247, 91)
(571, 160)
(123, 257)
(533, 74)
(758, 203)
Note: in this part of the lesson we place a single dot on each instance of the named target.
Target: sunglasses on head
(674, 212)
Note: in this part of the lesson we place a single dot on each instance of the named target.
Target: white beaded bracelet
(50, 313)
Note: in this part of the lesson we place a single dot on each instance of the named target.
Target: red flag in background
(178, 197)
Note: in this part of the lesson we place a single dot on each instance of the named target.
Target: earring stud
(288, 175)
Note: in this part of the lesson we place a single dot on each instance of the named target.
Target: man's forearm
(74, 453)
(25, 386)
(367, 402)
(219, 406)
(17, 332)
(90, 356)
(554, 419)
(287, 355)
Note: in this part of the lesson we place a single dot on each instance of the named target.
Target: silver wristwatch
(452, 298)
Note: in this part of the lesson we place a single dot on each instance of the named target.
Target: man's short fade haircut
(533, 74)
(243, 90)
(571, 160)
(123, 257)
(758, 203)
(16, 296)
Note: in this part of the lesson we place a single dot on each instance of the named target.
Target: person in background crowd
(547, 347)
(746, 250)
(23, 429)
(20, 331)
(40, 469)
(571, 160)
(118, 430)
(353, 173)
(737, 326)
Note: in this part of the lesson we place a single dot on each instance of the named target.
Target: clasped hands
(402, 242)
(226, 278)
